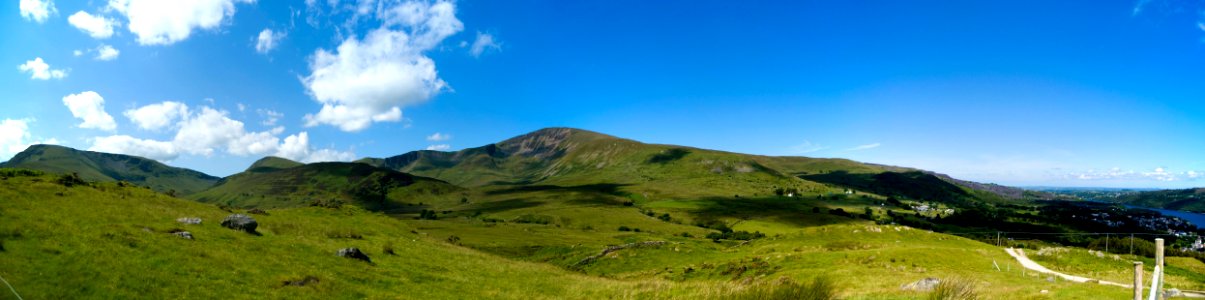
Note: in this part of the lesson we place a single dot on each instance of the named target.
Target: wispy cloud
(439, 147)
(1157, 174)
(807, 147)
(864, 147)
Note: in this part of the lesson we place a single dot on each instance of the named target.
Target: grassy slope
(1184, 199)
(115, 242)
(272, 163)
(370, 187)
(97, 166)
(112, 242)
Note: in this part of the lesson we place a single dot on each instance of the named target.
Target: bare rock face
(923, 285)
(353, 253)
(240, 222)
(189, 221)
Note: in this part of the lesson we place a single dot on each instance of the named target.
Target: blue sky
(1075, 93)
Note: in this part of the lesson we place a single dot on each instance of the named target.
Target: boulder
(240, 222)
(184, 235)
(353, 253)
(923, 285)
(189, 221)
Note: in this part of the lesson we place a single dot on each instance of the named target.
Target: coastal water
(1194, 218)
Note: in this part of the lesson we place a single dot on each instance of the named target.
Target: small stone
(240, 222)
(189, 221)
(353, 253)
(922, 285)
(184, 235)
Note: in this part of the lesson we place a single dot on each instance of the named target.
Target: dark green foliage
(534, 219)
(668, 156)
(327, 203)
(6, 172)
(840, 212)
(624, 228)
(455, 240)
(913, 185)
(70, 180)
(735, 235)
(428, 215)
(664, 217)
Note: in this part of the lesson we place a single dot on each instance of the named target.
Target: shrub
(664, 217)
(455, 240)
(427, 215)
(628, 203)
(533, 219)
(735, 235)
(69, 180)
(327, 203)
(624, 228)
(954, 289)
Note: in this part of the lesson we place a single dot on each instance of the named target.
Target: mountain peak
(272, 163)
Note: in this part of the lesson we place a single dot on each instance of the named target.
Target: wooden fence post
(1137, 280)
(1159, 264)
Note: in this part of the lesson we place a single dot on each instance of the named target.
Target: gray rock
(189, 221)
(184, 235)
(240, 222)
(353, 253)
(923, 285)
(1172, 293)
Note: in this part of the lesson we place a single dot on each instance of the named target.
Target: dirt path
(1019, 254)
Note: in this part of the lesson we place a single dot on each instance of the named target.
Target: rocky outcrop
(240, 222)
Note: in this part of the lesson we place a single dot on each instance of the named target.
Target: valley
(553, 214)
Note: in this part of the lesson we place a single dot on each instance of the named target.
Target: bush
(628, 203)
(427, 215)
(664, 217)
(625, 228)
(331, 203)
(455, 240)
(954, 289)
(69, 180)
(736, 235)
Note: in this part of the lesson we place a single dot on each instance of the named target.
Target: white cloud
(106, 53)
(158, 22)
(806, 147)
(439, 147)
(437, 137)
(297, 147)
(77, 52)
(36, 10)
(369, 80)
(39, 69)
(864, 147)
(1114, 174)
(270, 116)
(90, 107)
(15, 137)
(210, 130)
(124, 144)
(267, 40)
(98, 27)
(157, 116)
(484, 42)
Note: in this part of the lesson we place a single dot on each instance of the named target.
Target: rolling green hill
(275, 183)
(272, 163)
(106, 240)
(96, 166)
(1182, 199)
(572, 157)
